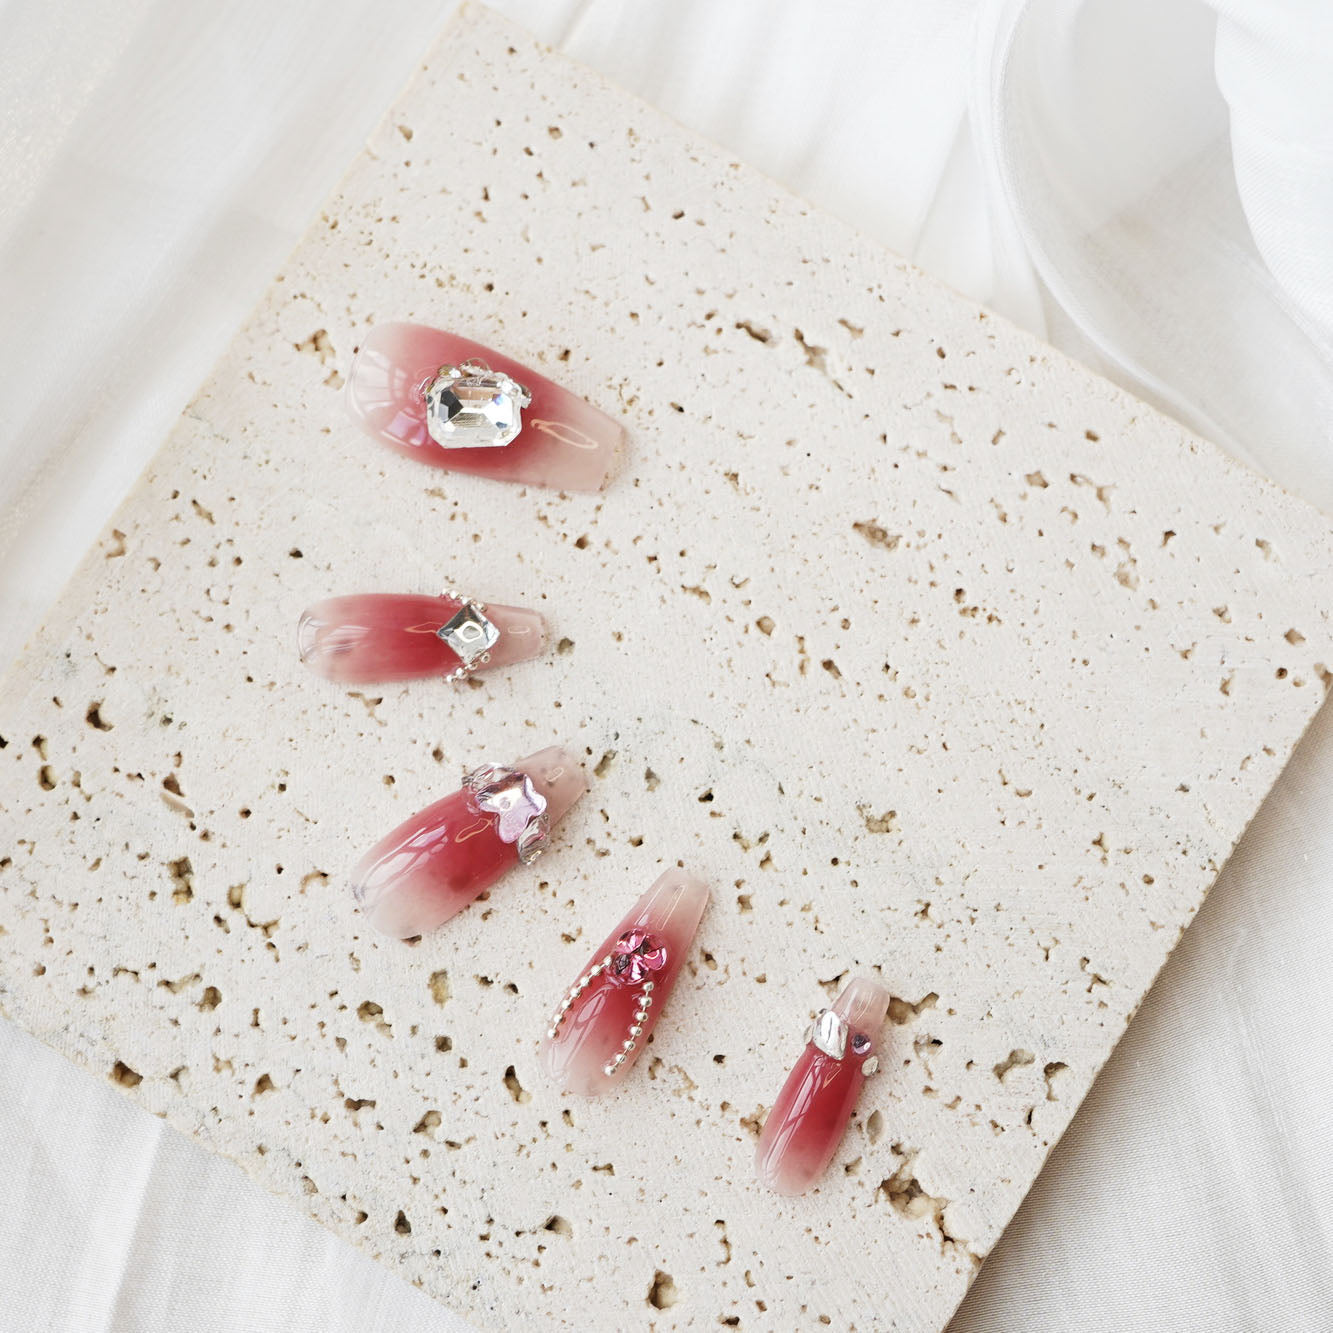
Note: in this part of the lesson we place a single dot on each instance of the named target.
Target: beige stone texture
(935, 654)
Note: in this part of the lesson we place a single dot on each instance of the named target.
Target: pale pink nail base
(606, 1016)
(373, 637)
(434, 864)
(564, 442)
(810, 1116)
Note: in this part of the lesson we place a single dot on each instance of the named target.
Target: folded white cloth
(1167, 173)
(1147, 182)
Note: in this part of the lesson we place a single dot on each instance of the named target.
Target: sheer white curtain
(1165, 169)
(1149, 183)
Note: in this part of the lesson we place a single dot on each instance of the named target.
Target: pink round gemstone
(636, 955)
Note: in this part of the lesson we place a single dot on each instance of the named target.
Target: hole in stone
(662, 1294)
(1051, 1073)
(758, 334)
(516, 1090)
(121, 1073)
(182, 879)
(1014, 1060)
(428, 1122)
(401, 1225)
(95, 719)
(559, 1225)
(904, 1011)
(876, 535)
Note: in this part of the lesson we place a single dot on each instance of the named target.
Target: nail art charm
(430, 867)
(401, 636)
(604, 1019)
(457, 404)
(810, 1116)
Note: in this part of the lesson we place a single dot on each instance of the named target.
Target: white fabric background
(1149, 183)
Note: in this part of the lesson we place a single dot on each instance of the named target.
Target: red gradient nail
(430, 867)
(400, 636)
(607, 1015)
(496, 419)
(810, 1116)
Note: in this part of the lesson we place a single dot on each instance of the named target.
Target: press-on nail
(434, 864)
(810, 1116)
(606, 1016)
(477, 420)
(400, 636)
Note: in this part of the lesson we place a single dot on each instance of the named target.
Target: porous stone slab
(935, 654)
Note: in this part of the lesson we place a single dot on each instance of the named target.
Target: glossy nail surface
(562, 441)
(401, 636)
(432, 865)
(605, 1018)
(810, 1116)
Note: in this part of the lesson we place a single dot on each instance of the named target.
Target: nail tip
(557, 764)
(692, 897)
(541, 635)
(774, 1180)
(306, 634)
(864, 1000)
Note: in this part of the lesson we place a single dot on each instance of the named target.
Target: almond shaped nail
(810, 1116)
(533, 431)
(605, 1018)
(432, 865)
(402, 636)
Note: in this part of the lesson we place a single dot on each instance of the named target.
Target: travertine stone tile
(932, 652)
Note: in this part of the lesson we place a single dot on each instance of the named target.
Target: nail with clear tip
(372, 637)
(434, 864)
(810, 1116)
(457, 404)
(603, 1021)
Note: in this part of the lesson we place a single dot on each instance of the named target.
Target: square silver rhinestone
(469, 634)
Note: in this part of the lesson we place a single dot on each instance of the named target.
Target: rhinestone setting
(511, 795)
(832, 1035)
(471, 406)
(470, 634)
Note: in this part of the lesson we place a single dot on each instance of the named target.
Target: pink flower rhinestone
(636, 955)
